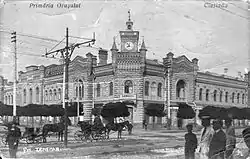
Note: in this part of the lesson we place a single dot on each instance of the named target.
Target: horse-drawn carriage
(32, 135)
(98, 131)
(35, 135)
(90, 132)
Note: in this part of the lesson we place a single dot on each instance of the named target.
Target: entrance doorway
(130, 117)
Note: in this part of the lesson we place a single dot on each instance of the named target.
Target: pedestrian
(190, 143)
(242, 153)
(246, 136)
(145, 124)
(206, 137)
(217, 145)
(13, 139)
(230, 139)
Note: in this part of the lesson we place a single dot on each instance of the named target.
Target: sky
(218, 37)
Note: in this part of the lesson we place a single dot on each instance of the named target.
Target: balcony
(128, 96)
(181, 99)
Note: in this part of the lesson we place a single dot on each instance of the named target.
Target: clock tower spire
(129, 37)
(129, 23)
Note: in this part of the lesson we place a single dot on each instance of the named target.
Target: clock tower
(129, 38)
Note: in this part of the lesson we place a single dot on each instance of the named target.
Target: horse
(85, 127)
(57, 127)
(116, 127)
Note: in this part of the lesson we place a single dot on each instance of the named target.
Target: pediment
(79, 59)
(183, 64)
(77, 67)
(182, 58)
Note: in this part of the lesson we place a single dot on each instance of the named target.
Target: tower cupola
(129, 23)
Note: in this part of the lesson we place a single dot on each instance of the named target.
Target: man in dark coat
(98, 125)
(191, 143)
(13, 138)
(231, 139)
(217, 145)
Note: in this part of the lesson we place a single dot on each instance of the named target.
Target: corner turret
(114, 51)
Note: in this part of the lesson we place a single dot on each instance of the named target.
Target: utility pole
(68, 53)
(67, 58)
(169, 96)
(13, 40)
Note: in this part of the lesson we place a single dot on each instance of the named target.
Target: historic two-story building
(129, 76)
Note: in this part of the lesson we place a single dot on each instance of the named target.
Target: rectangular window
(98, 90)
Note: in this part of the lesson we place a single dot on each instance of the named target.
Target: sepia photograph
(125, 79)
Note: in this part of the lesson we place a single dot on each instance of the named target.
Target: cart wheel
(29, 140)
(95, 135)
(87, 136)
(3, 139)
(78, 135)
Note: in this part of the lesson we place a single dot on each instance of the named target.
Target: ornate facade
(130, 76)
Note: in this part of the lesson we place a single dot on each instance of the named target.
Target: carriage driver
(13, 138)
(98, 123)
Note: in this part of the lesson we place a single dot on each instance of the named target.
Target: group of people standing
(215, 143)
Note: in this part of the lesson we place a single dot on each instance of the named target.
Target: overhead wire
(33, 36)
(76, 37)
(57, 45)
(26, 54)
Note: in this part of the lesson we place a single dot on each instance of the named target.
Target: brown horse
(116, 127)
(57, 127)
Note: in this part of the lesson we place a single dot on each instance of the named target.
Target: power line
(33, 36)
(57, 44)
(76, 37)
(20, 53)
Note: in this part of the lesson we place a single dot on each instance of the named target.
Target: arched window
(207, 95)
(233, 97)
(221, 96)
(6, 100)
(226, 97)
(50, 95)
(215, 95)
(24, 96)
(55, 94)
(128, 86)
(146, 88)
(31, 95)
(98, 89)
(11, 99)
(243, 98)
(238, 98)
(46, 95)
(76, 95)
(59, 94)
(159, 89)
(110, 88)
(200, 94)
(180, 89)
(37, 94)
(153, 89)
(80, 92)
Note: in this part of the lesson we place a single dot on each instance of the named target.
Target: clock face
(129, 45)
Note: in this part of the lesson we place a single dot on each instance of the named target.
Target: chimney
(239, 74)
(103, 57)
(225, 70)
(170, 55)
(247, 77)
(94, 58)
(195, 61)
(89, 56)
